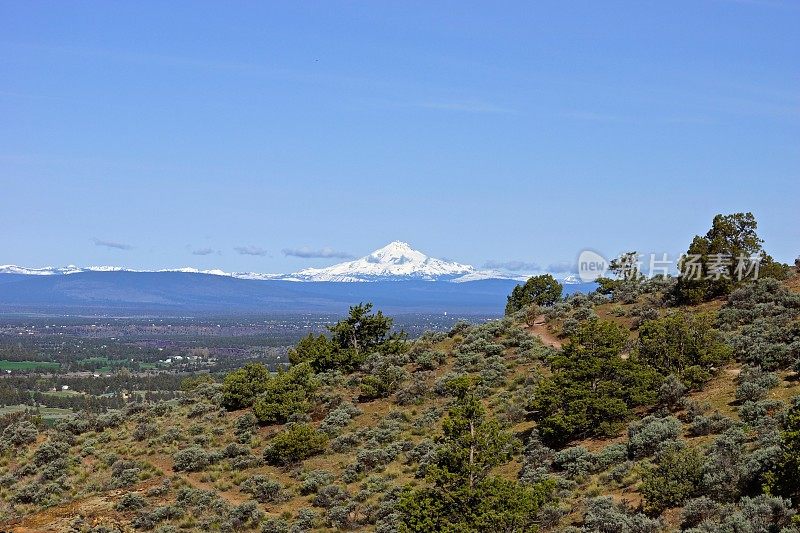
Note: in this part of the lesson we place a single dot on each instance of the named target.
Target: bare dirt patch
(541, 330)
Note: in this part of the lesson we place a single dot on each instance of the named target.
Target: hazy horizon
(274, 137)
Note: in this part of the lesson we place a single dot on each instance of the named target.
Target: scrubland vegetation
(670, 406)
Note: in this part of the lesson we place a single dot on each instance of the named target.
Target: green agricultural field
(62, 393)
(104, 365)
(94, 362)
(48, 413)
(27, 365)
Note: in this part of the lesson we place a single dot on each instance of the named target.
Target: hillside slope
(193, 465)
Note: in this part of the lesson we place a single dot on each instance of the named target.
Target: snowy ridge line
(396, 261)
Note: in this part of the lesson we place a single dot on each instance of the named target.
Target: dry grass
(98, 506)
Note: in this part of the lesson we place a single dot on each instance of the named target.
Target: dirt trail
(539, 329)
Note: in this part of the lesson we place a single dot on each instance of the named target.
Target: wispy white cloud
(203, 251)
(112, 244)
(562, 267)
(307, 252)
(513, 266)
(250, 250)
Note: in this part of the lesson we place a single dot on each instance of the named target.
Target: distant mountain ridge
(396, 278)
(72, 269)
(396, 261)
(121, 293)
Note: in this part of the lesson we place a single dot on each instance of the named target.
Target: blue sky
(239, 135)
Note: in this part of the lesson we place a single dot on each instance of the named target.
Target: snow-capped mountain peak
(396, 252)
(395, 261)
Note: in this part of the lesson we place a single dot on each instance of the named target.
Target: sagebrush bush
(171, 435)
(761, 513)
(604, 516)
(574, 462)
(611, 455)
(339, 418)
(126, 477)
(38, 493)
(19, 433)
(428, 359)
(192, 459)
(416, 391)
(50, 451)
(369, 459)
(200, 408)
(275, 524)
(762, 317)
(131, 501)
(723, 469)
(331, 495)
(570, 327)
(754, 384)
(698, 510)
(345, 442)
(645, 437)
(536, 460)
(243, 462)
(755, 413)
(671, 392)
(145, 430)
(109, 420)
(245, 425)
(313, 480)
(708, 425)
(245, 515)
(263, 489)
